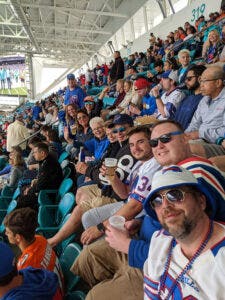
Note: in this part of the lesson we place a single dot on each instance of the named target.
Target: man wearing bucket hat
(26, 284)
(186, 259)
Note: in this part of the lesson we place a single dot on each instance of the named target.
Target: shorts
(93, 197)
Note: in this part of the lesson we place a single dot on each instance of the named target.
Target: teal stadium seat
(61, 246)
(77, 295)
(12, 205)
(66, 172)
(5, 200)
(64, 155)
(53, 215)
(66, 260)
(45, 196)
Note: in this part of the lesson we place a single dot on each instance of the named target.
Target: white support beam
(71, 41)
(76, 10)
(145, 18)
(21, 14)
(14, 36)
(132, 29)
(68, 28)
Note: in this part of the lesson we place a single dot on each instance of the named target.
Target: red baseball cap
(141, 83)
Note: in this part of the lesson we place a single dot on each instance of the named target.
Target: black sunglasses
(165, 138)
(188, 78)
(120, 129)
(173, 196)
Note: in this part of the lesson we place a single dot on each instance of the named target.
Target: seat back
(67, 258)
(12, 206)
(66, 172)
(64, 188)
(64, 163)
(65, 206)
(75, 295)
(60, 247)
(16, 194)
(46, 217)
(7, 191)
(63, 156)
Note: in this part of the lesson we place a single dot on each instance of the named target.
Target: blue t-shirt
(76, 96)
(35, 112)
(149, 105)
(186, 110)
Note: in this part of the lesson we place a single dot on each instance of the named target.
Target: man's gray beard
(183, 230)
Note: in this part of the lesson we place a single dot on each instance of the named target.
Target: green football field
(19, 91)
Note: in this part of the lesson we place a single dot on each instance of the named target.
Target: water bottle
(81, 156)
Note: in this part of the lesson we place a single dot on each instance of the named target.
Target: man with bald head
(208, 122)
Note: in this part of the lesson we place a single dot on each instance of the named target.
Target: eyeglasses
(96, 129)
(188, 78)
(120, 129)
(205, 80)
(165, 138)
(174, 196)
(82, 117)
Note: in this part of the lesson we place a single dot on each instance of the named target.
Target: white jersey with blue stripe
(204, 281)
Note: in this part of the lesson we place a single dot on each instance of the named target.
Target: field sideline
(19, 91)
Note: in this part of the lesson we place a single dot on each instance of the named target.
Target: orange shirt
(40, 255)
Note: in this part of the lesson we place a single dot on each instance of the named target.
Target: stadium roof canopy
(66, 33)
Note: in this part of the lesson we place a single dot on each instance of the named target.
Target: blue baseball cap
(123, 119)
(70, 76)
(165, 74)
(7, 259)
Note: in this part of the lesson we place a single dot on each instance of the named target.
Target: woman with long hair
(83, 133)
(213, 46)
(70, 128)
(18, 167)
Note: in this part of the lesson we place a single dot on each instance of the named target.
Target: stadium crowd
(139, 147)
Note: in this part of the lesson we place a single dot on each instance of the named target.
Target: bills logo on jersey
(171, 168)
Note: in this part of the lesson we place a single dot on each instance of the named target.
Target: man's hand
(118, 239)
(134, 110)
(133, 226)
(193, 135)
(66, 133)
(90, 234)
(33, 182)
(25, 192)
(81, 167)
(155, 91)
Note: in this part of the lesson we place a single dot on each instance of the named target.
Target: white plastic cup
(117, 222)
(111, 164)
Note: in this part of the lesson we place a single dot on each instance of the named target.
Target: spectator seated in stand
(189, 104)
(49, 176)
(20, 226)
(208, 122)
